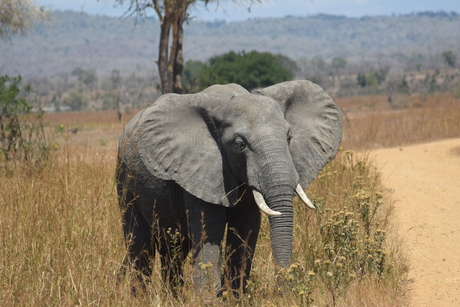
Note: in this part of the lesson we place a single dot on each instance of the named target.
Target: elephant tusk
(262, 205)
(299, 190)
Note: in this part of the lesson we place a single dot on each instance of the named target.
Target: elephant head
(275, 140)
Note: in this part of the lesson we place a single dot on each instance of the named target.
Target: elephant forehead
(254, 108)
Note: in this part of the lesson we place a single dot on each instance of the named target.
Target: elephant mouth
(258, 197)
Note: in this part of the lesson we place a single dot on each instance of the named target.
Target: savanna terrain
(382, 235)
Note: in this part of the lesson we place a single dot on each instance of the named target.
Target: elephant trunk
(276, 179)
(281, 227)
(278, 195)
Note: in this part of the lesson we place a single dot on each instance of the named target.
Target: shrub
(22, 130)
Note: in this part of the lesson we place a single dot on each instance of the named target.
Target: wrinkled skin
(188, 166)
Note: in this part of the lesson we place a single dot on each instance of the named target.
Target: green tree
(11, 107)
(374, 78)
(450, 58)
(172, 15)
(18, 16)
(250, 70)
(22, 134)
(88, 78)
(75, 100)
(190, 78)
(361, 80)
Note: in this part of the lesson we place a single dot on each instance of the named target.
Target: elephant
(197, 169)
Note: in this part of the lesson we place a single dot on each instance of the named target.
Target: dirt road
(426, 183)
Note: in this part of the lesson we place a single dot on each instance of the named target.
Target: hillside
(105, 43)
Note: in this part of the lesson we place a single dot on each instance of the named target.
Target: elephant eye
(239, 144)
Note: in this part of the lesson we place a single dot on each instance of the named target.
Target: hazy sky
(275, 8)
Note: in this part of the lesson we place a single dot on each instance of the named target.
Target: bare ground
(425, 181)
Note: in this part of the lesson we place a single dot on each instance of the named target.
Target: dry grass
(369, 123)
(61, 239)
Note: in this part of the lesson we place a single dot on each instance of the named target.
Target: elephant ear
(316, 125)
(177, 140)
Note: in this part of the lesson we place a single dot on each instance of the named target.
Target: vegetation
(60, 230)
(62, 241)
(22, 131)
(80, 74)
(450, 58)
(172, 14)
(84, 89)
(105, 43)
(250, 70)
(417, 118)
(18, 16)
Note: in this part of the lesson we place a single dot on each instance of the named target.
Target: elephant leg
(137, 232)
(242, 233)
(207, 224)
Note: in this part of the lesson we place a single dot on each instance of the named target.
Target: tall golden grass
(369, 123)
(61, 237)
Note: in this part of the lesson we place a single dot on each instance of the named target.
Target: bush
(22, 134)
(250, 70)
(344, 242)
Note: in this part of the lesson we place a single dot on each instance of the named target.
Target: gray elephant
(195, 167)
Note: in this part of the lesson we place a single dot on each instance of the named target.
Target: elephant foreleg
(206, 226)
(242, 233)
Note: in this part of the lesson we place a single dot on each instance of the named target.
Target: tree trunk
(163, 69)
(171, 62)
(177, 65)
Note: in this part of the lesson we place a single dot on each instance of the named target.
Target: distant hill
(105, 43)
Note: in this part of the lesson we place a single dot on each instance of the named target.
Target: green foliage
(250, 70)
(190, 77)
(75, 100)
(12, 107)
(361, 80)
(22, 134)
(450, 58)
(87, 77)
(403, 87)
(371, 79)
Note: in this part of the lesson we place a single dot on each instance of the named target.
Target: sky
(273, 8)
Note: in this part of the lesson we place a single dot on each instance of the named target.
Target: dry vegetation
(61, 238)
(369, 123)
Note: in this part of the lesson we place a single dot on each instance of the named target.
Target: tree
(190, 79)
(18, 16)
(450, 58)
(394, 80)
(172, 15)
(338, 63)
(88, 78)
(361, 80)
(250, 70)
(75, 100)
(22, 134)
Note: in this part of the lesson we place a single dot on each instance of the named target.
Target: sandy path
(426, 183)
